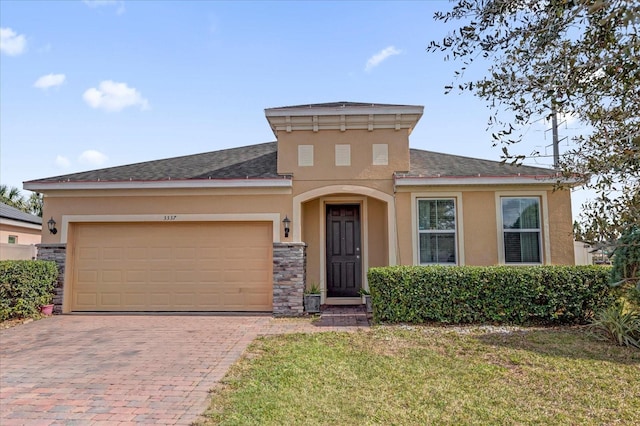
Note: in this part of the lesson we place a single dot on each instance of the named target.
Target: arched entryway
(347, 229)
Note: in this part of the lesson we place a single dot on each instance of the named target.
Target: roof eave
(164, 184)
(316, 118)
(346, 110)
(482, 180)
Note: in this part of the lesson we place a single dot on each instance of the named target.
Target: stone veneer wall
(57, 253)
(289, 275)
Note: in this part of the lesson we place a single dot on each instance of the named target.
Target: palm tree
(34, 204)
(12, 197)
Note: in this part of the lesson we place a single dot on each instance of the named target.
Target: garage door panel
(172, 267)
(87, 277)
(208, 276)
(187, 275)
(89, 253)
(86, 299)
(110, 299)
(136, 253)
(109, 253)
(136, 276)
(254, 299)
(112, 276)
(209, 298)
(185, 253)
(163, 275)
(210, 253)
(160, 300)
(135, 299)
(184, 299)
(160, 253)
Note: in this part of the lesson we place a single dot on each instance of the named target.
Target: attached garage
(171, 266)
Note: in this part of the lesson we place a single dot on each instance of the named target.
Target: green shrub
(619, 323)
(25, 285)
(495, 294)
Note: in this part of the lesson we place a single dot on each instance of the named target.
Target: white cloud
(112, 96)
(62, 162)
(99, 3)
(382, 55)
(12, 43)
(49, 80)
(92, 157)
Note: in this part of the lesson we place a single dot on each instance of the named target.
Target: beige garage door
(179, 266)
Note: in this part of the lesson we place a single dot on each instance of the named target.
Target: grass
(429, 375)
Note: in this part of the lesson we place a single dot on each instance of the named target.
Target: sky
(93, 84)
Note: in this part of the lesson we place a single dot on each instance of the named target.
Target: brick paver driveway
(112, 369)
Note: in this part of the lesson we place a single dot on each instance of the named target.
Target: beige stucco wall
(361, 142)
(479, 221)
(404, 228)
(561, 227)
(166, 202)
(311, 217)
(382, 185)
(377, 233)
(25, 236)
(480, 228)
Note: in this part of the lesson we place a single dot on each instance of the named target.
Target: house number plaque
(170, 217)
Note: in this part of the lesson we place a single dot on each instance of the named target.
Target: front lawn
(431, 375)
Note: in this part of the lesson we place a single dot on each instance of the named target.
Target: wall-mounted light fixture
(52, 226)
(286, 222)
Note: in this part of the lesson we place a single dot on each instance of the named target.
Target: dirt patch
(15, 322)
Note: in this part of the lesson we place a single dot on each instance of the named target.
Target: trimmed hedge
(25, 285)
(496, 294)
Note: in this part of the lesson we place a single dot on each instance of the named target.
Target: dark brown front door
(344, 263)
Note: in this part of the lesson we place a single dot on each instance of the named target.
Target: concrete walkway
(130, 369)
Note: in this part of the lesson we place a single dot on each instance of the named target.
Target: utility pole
(556, 142)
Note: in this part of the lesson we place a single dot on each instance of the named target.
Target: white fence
(17, 251)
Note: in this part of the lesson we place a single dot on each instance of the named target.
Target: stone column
(289, 275)
(57, 253)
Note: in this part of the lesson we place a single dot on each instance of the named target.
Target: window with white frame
(437, 231)
(13, 239)
(522, 236)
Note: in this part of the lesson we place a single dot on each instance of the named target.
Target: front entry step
(343, 301)
(343, 316)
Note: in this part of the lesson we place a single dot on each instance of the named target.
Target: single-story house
(19, 233)
(245, 229)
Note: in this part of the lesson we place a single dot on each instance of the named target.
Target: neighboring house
(583, 253)
(19, 234)
(206, 232)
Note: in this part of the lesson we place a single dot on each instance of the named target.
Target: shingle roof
(8, 212)
(254, 161)
(436, 164)
(260, 161)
